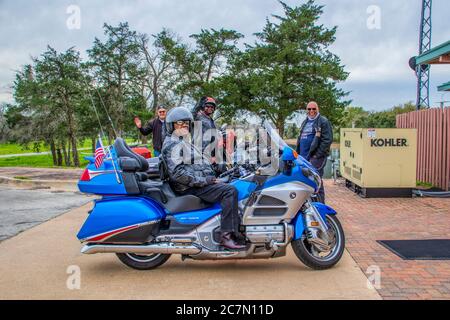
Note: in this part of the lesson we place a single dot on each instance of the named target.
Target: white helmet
(177, 114)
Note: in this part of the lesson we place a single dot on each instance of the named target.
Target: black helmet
(204, 101)
(177, 114)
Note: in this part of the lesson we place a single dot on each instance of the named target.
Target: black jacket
(183, 172)
(156, 127)
(320, 146)
(207, 124)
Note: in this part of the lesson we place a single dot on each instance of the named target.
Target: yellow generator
(379, 162)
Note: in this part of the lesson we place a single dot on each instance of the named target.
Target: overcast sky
(377, 59)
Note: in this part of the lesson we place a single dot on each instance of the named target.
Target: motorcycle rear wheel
(307, 254)
(143, 262)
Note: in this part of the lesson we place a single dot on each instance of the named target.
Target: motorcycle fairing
(296, 175)
(298, 222)
(198, 217)
(324, 210)
(299, 226)
(244, 188)
(113, 215)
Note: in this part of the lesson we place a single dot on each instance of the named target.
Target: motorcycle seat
(174, 204)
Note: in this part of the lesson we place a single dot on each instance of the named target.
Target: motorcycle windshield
(276, 139)
(280, 144)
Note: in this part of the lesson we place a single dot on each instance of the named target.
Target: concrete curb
(56, 185)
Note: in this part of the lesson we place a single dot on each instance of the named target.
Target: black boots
(229, 243)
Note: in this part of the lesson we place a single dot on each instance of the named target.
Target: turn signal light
(85, 176)
(295, 154)
(314, 224)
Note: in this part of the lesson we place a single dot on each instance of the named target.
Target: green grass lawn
(43, 161)
(39, 161)
(12, 148)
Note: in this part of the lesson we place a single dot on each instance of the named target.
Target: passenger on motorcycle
(203, 115)
(192, 173)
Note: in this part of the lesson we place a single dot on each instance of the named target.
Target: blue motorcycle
(142, 221)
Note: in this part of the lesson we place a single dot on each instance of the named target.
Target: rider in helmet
(192, 173)
(210, 137)
(203, 112)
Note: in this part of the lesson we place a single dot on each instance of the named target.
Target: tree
(353, 117)
(5, 132)
(289, 65)
(292, 131)
(199, 66)
(48, 94)
(387, 118)
(161, 75)
(118, 73)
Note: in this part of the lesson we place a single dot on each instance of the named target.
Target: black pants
(227, 195)
(319, 164)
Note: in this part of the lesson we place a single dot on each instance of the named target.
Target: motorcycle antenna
(103, 133)
(104, 108)
(95, 109)
(106, 111)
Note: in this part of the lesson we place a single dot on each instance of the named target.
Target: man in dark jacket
(203, 113)
(155, 126)
(314, 142)
(192, 173)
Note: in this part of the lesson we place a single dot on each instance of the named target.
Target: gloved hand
(220, 168)
(211, 180)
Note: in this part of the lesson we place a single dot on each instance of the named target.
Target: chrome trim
(165, 248)
(175, 239)
(249, 253)
(312, 209)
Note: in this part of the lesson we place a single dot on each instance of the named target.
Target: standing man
(155, 126)
(314, 142)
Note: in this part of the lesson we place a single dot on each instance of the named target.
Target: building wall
(433, 152)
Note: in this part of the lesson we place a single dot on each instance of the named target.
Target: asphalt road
(45, 262)
(21, 209)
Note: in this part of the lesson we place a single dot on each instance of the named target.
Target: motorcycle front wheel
(143, 262)
(315, 259)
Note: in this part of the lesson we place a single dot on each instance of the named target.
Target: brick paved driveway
(367, 220)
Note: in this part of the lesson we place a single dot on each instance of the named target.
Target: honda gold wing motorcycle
(142, 221)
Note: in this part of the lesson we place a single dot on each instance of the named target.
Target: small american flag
(99, 154)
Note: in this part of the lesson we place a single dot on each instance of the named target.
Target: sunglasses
(210, 106)
(311, 109)
(183, 122)
(161, 112)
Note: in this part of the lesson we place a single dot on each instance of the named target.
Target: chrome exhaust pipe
(164, 248)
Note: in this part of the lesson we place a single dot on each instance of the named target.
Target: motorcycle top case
(115, 215)
(102, 181)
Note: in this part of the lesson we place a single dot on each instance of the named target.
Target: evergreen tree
(289, 65)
